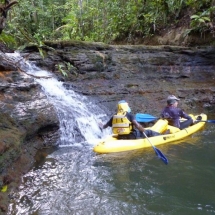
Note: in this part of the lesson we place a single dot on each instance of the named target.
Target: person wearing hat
(124, 124)
(173, 114)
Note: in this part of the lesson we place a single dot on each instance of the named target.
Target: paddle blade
(141, 117)
(161, 155)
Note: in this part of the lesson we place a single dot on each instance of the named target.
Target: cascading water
(77, 115)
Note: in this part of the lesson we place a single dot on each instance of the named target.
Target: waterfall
(78, 115)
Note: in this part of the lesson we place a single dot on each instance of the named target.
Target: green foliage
(62, 69)
(7, 39)
(201, 22)
(65, 68)
(99, 20)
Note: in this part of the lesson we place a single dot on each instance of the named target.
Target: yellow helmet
(123, 107)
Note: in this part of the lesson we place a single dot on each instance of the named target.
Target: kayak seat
(199, 118)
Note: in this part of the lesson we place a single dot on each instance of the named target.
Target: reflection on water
(75, 180)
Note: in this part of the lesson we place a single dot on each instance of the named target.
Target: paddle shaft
(210, 121)
(148, 140)
(157, 151)
(141, 117)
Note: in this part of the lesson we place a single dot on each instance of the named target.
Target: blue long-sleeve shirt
(173, 115)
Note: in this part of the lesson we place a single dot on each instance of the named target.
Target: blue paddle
(211, 121)
(157, 151)
(144, 117)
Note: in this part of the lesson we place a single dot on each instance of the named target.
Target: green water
(74, 180)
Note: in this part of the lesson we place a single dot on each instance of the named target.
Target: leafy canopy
(100, 20)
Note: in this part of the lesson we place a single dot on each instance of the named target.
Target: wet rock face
(143, 75)
(25, 111)
(28, 122)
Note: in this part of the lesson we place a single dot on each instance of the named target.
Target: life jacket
(120, 123)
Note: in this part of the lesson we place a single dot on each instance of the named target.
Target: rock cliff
(143, 75)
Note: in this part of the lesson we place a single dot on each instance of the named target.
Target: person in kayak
(125, 125)
(173, 114)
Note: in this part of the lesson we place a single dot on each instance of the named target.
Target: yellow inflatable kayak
(112, 144)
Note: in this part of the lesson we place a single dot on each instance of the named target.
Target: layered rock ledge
(143, 75)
